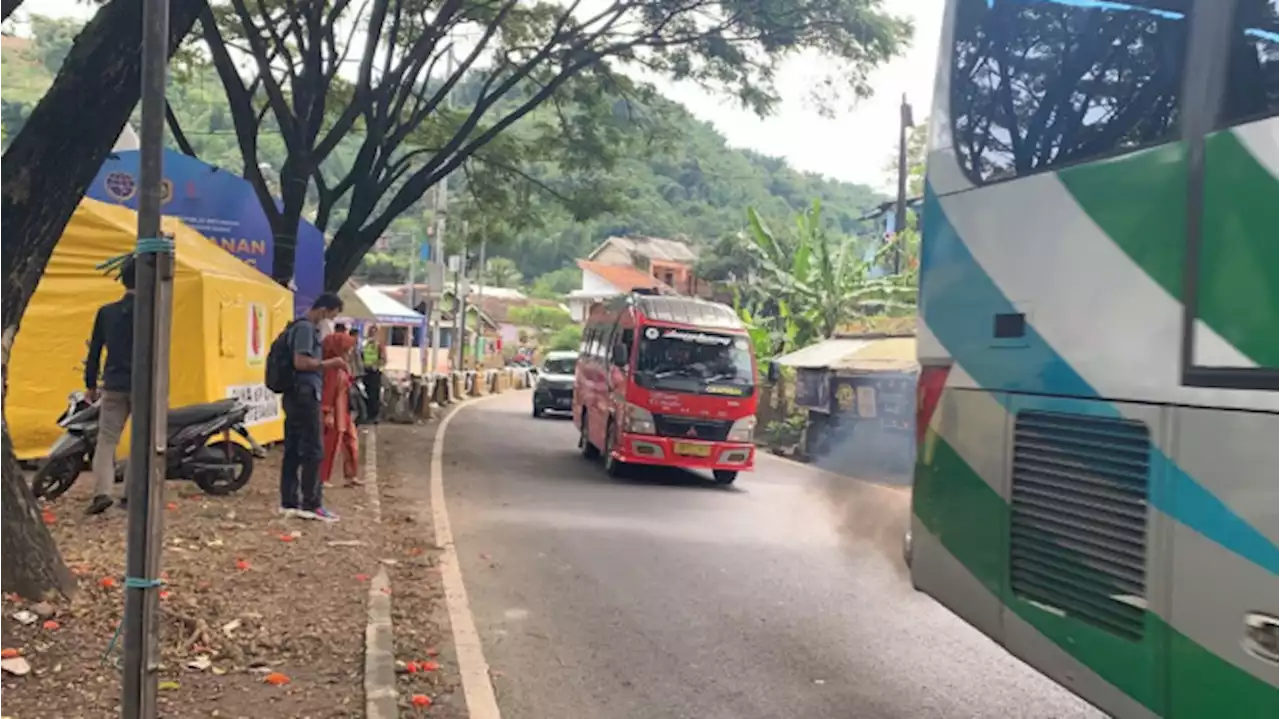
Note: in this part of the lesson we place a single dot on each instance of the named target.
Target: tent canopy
(384, 309)
(225, 314)
(869, 353)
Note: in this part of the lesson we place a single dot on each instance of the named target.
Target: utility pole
(460, 292)
(480, 304)
(413, 267)
(900, 210)
(150, 380)
(441, 206)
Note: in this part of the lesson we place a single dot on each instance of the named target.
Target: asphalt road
(666, 596)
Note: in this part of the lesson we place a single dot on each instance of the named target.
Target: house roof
(498, 307)
(623, 277)
(654, 248)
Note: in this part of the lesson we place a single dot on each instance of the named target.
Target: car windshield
(559, 365)
(692, 360)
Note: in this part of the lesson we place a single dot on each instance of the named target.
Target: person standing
(375, 358)
(112, 331)
(359, 407)
(335, 409)
(301, 494)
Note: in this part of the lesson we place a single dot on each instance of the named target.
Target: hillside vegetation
(667, 174)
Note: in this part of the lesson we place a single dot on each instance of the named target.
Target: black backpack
(281, 374)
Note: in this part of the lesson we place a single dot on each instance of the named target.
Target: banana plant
(821, 278)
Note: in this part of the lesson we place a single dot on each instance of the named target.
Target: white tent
(387, 310)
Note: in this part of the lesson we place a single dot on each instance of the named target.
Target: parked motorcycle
(220, 467)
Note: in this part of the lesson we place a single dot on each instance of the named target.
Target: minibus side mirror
(773, 373)
(619, 355)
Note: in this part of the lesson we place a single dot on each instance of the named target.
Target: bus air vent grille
(1078, 527)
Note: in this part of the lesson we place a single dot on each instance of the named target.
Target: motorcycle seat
(194, 413)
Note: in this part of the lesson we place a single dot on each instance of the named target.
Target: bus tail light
(637, 420)
(743, 429)
(928, 391)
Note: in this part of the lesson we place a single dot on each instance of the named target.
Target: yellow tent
(225, 314)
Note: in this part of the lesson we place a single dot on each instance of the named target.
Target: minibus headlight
(743, 429)
(637, 420)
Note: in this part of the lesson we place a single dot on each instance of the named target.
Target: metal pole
(150, 380)
(442, 208)
(413, 266)
(460, 306)
(900, 210)
(480, 304)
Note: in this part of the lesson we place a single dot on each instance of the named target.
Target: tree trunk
(45, 173)
(293, 196)
(7, 8)
(342, 257)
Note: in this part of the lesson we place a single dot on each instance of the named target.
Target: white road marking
(477, 685)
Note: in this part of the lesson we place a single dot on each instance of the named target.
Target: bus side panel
(1086, 570)
(959, 507)
(1232, 455)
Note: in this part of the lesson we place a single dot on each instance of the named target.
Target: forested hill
(697, 188)
(672, 175)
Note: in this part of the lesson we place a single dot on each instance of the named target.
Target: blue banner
(221, 206)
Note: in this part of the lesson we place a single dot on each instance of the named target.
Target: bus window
(1037, 84)
(1231, 338)
(1252, 78)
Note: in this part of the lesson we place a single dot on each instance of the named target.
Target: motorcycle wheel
(55, 477)
(233, 454)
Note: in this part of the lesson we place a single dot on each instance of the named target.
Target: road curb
(380, 696)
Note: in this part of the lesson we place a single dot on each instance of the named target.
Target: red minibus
(666, 380)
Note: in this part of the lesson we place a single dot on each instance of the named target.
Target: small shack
(225, 315)
(859, 391)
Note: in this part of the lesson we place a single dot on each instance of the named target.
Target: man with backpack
(295, 370)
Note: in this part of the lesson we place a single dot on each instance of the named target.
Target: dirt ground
(262, 616)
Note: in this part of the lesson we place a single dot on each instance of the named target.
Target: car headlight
(637, 420)
(742, 429)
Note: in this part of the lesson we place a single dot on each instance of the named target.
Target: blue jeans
(303, 450)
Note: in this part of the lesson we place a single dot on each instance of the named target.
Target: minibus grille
(712, 430)
(1078, 527)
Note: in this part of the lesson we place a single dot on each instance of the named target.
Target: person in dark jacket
(112, 331)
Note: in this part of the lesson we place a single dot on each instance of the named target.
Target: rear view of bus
(1097, 410)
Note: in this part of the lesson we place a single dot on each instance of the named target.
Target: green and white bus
(1097, 470)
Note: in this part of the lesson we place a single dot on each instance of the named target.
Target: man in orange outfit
(335, 410)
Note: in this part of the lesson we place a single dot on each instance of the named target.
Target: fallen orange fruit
(9, 653)
(362, 577)
(276, 679)
(171, 506)
(287, 537)
(411, 667)
(164, 593)
(429, 666)
(421, 701)
(51, 625)
(48, 517)
(107, 582)
(241, 565)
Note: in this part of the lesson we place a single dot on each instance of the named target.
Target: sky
(854, 146)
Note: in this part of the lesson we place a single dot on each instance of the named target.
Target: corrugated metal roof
(688, 311)
(821, 354)
(887, 354)
(871, 354)
(655, 248)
